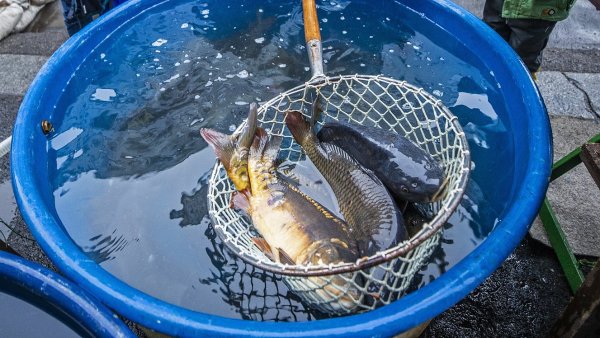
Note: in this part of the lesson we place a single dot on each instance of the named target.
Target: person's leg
(528, 38)
(69, 14)
(79, 13)
(492, 15)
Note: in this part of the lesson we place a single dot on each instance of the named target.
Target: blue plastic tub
(56, 302)
(521, 114)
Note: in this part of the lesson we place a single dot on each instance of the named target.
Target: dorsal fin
(272, 148)
(265, 148)
(335, 151)
(259, 143)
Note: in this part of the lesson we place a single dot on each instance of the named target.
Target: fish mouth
(441, 192)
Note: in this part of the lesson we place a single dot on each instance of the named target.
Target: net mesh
(373, 101)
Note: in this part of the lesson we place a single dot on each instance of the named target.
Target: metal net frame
(376, 101)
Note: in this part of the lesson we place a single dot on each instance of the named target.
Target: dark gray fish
(406, 170)
(364, 202)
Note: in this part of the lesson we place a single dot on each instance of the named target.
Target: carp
(295, 229)
(366, 205)
(407, 170)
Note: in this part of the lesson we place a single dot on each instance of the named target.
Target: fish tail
(298, 126)
(264, 149)
(222, 144)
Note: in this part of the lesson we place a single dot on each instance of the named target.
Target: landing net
(367, 100)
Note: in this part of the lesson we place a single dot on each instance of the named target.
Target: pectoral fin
(239, 200)
(263, 246)
(284, 258)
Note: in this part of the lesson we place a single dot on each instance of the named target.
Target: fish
(406, 169)
(233, 150)
(295, 229)
(364, 202)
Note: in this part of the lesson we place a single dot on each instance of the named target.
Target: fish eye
(404, 188)
(428, 166)
(414, 184)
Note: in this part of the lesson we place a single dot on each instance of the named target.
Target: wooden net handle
(311, 21)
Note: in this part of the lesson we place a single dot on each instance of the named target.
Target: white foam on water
(282, 65)
(61, 160)
(196, 121)
(240, 103)
(104, 94)
(232, 127)
(102, 56)
(243, 74)
(159, 42)
(184, 25)
(208, 84)
(64, 138)
(172, 78)
(78, 153)
(219, 56)
(259, 40)
(205, 11)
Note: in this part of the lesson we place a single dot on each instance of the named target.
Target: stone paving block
(473, 6)
(9, 105)
(572, 33)
(575, 32)
(571, 60)
(590, 83)
(18, 71)
(44, 43)
(562, 98)
(574, 197)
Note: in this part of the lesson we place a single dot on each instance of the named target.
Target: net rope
(373, 101)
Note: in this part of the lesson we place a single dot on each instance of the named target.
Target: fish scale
(364, 201)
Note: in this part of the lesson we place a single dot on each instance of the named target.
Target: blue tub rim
(402, 315)
(87, 311)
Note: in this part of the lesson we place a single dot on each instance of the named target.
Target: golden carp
(295, 229)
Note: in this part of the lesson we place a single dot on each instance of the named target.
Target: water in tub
(130, 170)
